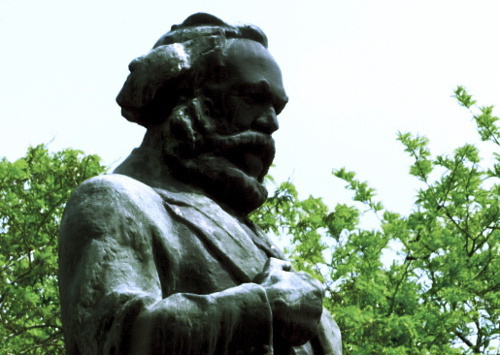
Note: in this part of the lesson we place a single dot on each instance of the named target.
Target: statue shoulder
(111, 207)
(116, 185)
(111, 194)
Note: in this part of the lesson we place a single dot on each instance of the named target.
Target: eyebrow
(258, 88)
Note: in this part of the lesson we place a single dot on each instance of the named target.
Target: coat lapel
(220, 232)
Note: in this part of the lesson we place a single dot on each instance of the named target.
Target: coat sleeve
(111, 298)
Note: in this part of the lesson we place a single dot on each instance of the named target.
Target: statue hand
(295, 298)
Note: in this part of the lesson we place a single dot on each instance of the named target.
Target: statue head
(214, 92)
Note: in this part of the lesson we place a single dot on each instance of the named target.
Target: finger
(312, 282)
(287, 266)
(280, 264)
(266, 270)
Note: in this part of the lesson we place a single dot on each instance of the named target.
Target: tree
(440, 295)
(33, 193)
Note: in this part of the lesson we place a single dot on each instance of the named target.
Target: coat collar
(233, 243)
(228, 238)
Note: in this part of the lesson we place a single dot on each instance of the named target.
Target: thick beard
(229, 168)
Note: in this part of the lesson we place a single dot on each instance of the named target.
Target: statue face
(249, 98)
(252, 92)
(233, 150)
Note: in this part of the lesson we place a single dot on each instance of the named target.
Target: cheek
(236, 115)
(242, 118)
(241, 115)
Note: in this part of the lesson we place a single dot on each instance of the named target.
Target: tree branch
(463, 338)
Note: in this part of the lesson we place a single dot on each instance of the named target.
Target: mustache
(248, 141)
(241, 147)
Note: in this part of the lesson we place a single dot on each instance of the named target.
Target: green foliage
(284, 213)
(486, 123)
(33, 192)
(440, 294)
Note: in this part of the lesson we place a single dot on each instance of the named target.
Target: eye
(255, 98)
(254, 94)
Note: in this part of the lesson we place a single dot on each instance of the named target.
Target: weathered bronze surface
(159, 257)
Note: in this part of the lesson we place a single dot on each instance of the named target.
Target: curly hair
(178, 65)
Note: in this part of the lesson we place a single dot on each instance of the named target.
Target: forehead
(248, 62)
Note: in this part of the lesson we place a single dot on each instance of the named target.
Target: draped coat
(151, 266)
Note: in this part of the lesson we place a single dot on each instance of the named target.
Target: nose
(267, 122)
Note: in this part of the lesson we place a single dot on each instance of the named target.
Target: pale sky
(356, 72)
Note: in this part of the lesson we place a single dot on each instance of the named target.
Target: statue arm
(111, 297)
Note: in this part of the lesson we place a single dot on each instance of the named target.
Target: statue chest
(205, 254)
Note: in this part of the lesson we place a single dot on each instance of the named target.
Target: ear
(180, 133)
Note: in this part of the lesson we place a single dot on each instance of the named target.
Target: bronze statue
(160, 257)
